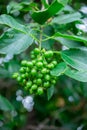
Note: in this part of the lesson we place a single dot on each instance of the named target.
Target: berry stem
(40, 37)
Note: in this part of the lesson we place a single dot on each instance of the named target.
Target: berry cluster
(35, 75)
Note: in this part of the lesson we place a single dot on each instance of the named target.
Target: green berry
(22, 70)
(50, 66)
(53, 81)
(15, 75)
(29, 84)
(24, 63)
(54, 62)
(46, 84)
(40, 91)
(39, 64)
(29, 64)
(38, 81)
(36, 51)
(47, 77)
(19, 78)
(33, 72)
(48, 54)
(44, 71)
(34, 87)
(39, 75)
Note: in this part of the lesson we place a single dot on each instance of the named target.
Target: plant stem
(40, 42)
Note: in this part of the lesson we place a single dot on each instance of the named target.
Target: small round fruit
(50, 66)
(23, 76)
(40, 91)
(46, 84)
(53, 81)
(29, 64)
(48, 54)
(24, 63)
(15, 75)
(38, 81)
(34, 87)
(29, 84)
(19, 78)
(39, 64)
(54, 62)
(22, 70)
(44, 71)
(36, 51)
(39, 75)
(33, 72)
(32, 56)
(47, 77)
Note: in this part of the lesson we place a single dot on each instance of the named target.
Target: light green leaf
(12, 23)
(59, 69)
(50, 92)
(77, 75)
(5, 105)
(71, 37)
(76, 58)
(68, 43)
(67, 18)
(14, 42)
(45, 3)
(43, 15)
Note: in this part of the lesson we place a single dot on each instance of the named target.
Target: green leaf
(14, 42)
(77, 75)
(5, 105)
(45, 3)
(71, 37)
(59, 69)
(76, 58)
(68, 43)
(67, 18)
(12, 23)
(50, 92)
(42, 16)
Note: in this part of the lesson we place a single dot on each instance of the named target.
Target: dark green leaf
(5, 105)
(77, 75)
(59, 69)
(50, 92)
(76, 58)
(42, 16)
(14, 42)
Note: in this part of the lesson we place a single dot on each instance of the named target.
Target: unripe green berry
(54, 62)
(19, 78)
(33, 72)
(34, 87)
(38, 81)
(47, 77)
(40, 91)
(44, 71)
(22, 70)
(46, 84)
(39, 64)
(39, 75)
(29, 84)
(15, 75)
(36, 51)
(29, 64)
(53, 81)
(24, 63)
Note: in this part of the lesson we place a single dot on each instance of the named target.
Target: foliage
(50, 26)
